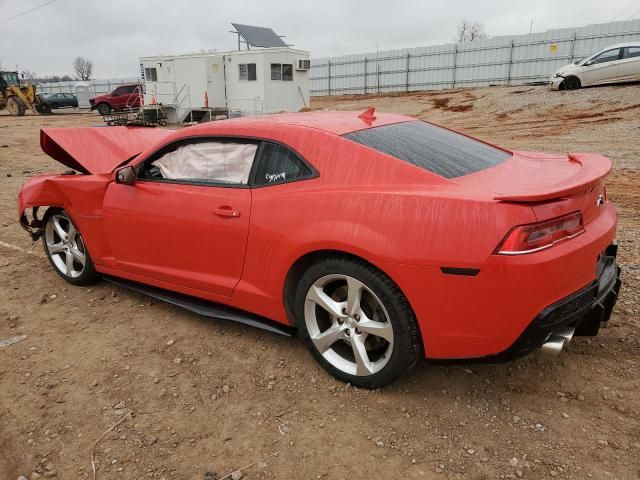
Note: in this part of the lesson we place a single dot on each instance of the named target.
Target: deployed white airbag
(209, 161)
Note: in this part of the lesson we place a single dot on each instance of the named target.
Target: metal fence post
(366, 74)
(510, 63)
(573, 46)
(455, 64)
(408, 69)
(328, 78)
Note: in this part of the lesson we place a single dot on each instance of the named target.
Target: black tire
(16, 106)
(88, 274)
(406, 349)
(571, 83)
(44, 108)
(104, 109)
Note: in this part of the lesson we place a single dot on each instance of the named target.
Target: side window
(130, 88)
(247, 71)
(276, 71)
(278, 164)
(151, 74)
(608, 56)
(209, 161)
(632, 52)
(118, 91)
(282, 71)
(287, 72)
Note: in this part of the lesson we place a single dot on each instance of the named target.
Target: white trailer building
(247, 82)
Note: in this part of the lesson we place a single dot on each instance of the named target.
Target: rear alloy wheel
(356, 322)
(66, 250)
(104, 109)
(572, 83)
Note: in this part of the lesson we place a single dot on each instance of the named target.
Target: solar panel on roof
(259, 36)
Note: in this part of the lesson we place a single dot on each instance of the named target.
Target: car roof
(621, 45)
(336, 122)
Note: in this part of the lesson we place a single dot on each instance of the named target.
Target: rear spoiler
(593, 169)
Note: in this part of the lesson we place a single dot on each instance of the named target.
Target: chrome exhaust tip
(553, 346)
(566, 333)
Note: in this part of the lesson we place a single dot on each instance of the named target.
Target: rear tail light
(538, 236)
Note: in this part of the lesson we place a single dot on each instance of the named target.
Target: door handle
(226, 212)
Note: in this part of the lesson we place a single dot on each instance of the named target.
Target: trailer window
(287, 72)
(276, 71)
(151, 74)
(436, 149)
(282, 71)
(247, 71)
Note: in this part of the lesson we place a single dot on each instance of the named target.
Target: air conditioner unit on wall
(303, 65)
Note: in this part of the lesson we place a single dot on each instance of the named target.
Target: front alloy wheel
(66, 250)
(356, 322)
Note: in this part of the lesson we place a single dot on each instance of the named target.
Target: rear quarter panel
(402, 216)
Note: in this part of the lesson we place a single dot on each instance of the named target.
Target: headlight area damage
(94, 152)
(41, 192)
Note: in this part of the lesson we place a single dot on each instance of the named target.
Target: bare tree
(470, 31)
(83, 68)
(28, 76)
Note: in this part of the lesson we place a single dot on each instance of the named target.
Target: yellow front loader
(17, 98)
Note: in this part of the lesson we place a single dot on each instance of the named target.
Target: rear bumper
(584, 310)
(483, 315)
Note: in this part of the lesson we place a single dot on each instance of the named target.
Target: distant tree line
(31, 77)
(82, 67)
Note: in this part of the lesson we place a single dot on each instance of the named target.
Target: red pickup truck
(124, 96)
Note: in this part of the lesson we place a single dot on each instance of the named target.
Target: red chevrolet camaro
(378, 238)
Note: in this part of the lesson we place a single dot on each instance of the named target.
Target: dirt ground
(196, 395)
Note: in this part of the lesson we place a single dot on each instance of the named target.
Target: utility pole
(530, 27)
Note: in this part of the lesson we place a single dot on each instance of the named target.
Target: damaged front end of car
(34, 226)
(38, 193)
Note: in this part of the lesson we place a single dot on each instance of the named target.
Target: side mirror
(126, 176)
(589, 63)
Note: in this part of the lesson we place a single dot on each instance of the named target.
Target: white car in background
(614, 64)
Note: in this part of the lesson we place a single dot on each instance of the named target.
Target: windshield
(11, 78)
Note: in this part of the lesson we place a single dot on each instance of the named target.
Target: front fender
(40, 191)
(80, 196)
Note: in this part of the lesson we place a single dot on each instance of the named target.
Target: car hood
(97, 150)
(567, 69)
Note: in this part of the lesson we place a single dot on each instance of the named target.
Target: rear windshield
(433, 148)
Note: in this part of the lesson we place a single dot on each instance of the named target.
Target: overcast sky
(115, 33)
